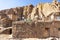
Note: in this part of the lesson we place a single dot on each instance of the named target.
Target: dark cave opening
(10, 32)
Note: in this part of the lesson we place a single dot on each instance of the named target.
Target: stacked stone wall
(36, 30)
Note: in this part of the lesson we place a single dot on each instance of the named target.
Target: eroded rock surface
(35, 20)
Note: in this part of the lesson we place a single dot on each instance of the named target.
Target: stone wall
(36, 30)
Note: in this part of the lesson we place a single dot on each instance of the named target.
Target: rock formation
(41, 11)
(30, 16)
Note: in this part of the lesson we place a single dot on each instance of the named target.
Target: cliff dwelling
(40, 21)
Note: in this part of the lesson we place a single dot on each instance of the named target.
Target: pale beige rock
(27, 10)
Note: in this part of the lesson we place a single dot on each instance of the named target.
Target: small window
(46, 28)
(59, 29)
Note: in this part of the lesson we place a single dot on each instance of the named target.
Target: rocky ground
(5, 37)
(9, 37)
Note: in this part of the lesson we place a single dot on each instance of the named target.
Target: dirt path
(9, 37)
(5, 37)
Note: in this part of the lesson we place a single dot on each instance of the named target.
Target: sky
(6, 4)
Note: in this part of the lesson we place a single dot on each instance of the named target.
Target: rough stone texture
(36, 30)
(42, 11)
(7, 31)
(20, 12)
(6, 22)
(45, 13)
(27, 10)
